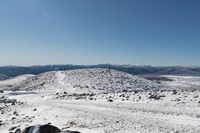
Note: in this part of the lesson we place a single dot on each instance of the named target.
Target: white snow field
(184, 82)
(101, 101)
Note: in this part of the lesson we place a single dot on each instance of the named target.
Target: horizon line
(88, 65)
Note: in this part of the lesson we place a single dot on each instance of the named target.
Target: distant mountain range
(131, 69)
(3, 77)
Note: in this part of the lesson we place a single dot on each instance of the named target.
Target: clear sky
(139, 32)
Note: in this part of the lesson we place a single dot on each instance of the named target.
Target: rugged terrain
(87, 81)
(102, 101)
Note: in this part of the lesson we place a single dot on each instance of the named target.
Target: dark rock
(174, 92)
(6, 100)
(13, 103)
(124, 90)
(42, 129)
(18, 131)
(90, 98)
(70, 132)
(110, 100)
(122, 95)
(91, 95)
(12, 128)
(156, 96)
(45, 129)
(140, 97)
(15, 113)
(177, 100)
(136, 92)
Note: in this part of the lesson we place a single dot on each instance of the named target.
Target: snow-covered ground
(6, 84)
(184, 82)
(126, 110)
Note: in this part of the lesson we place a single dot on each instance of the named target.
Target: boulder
(41, 129)
(45, 129)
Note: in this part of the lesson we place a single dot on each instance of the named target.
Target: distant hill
(96, 80)
(131, 69)
(3, 77)
(5, 84)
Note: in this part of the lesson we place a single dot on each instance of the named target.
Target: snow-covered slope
(95, 80)
(5, 84)
(171, 111)
(183, 82)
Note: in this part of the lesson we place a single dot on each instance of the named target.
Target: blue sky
(139, 32)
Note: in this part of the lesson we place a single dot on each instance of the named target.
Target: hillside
(5, 84)
(96, 80)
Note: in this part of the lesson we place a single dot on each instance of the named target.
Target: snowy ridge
(95, 80)
(14, 81)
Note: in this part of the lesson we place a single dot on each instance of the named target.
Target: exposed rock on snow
(42, 129)
(6, 100)
(39, 129)
(87, 81)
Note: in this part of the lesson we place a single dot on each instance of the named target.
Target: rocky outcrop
(41, 129)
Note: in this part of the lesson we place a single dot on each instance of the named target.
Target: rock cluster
(40, 129)
(7, 100)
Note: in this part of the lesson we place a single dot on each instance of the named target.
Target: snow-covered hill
(95, 80)
(5, 84)
(173, 111)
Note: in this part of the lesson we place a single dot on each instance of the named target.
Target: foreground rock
(42, 129)
(7, 100)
